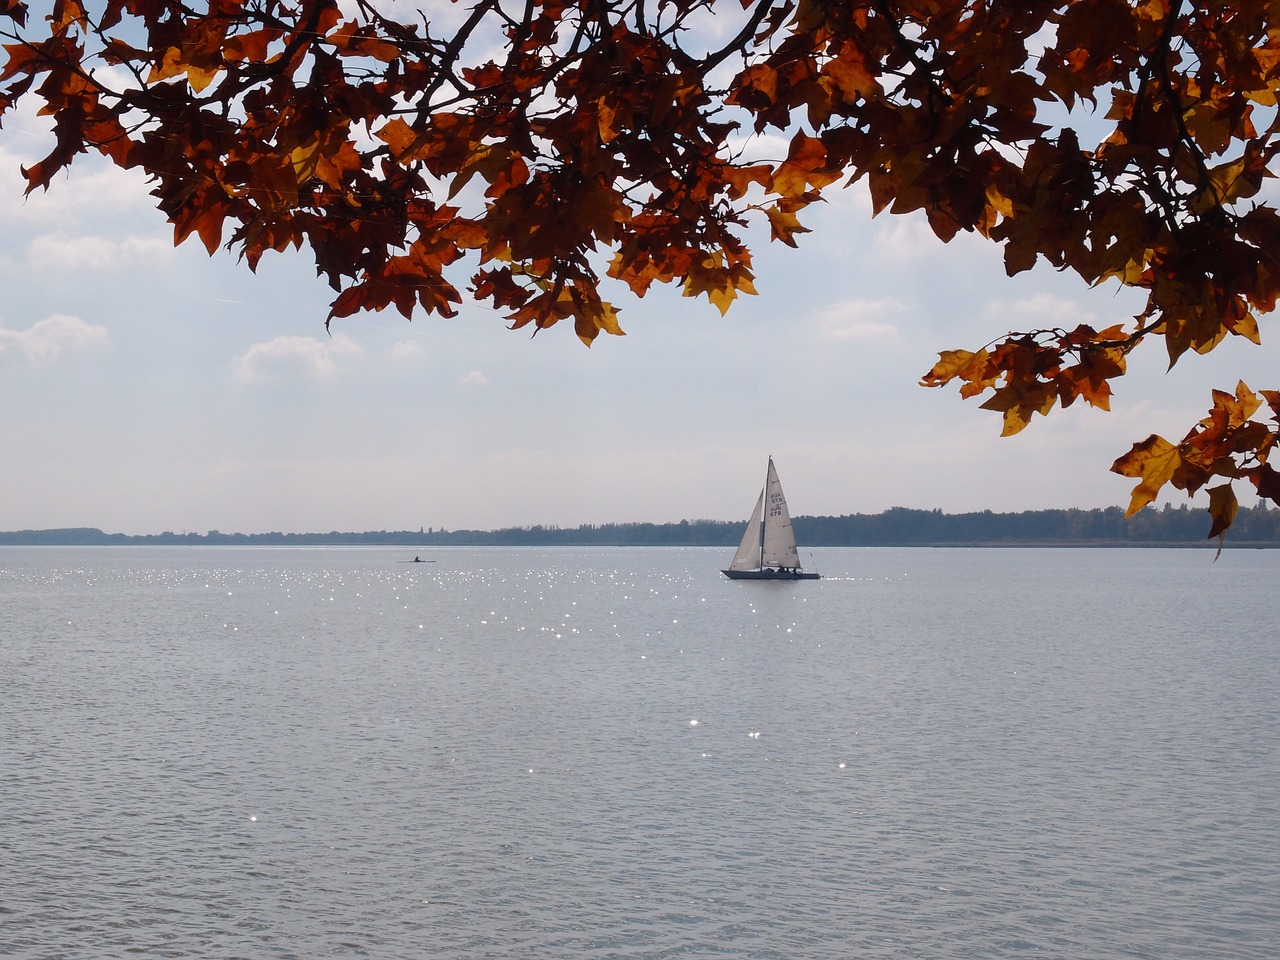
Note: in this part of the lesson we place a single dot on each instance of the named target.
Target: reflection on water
(562, 753)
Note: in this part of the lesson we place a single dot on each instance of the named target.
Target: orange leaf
(397, 135)
(805, 166)
(249, 47)
(67, 12)
(739, 179)
(355, 41)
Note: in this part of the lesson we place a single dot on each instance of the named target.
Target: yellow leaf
(951, 364)
(200, 77)
(305, 159)
(739, 179)
(783, 225)
(1246, 325)
(1154, 460)
(721, 284)
(1268, 62)
(1228, 183)
(605, 114)
(999, 202)
(169, 65)
(595, 316)
(173, 63)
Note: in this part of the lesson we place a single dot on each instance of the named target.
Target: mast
(764, 514)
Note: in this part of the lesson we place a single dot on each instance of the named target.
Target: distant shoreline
(1254, 527)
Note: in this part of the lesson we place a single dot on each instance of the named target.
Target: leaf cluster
(1228, 444)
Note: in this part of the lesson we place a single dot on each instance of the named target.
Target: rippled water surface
(618, 753)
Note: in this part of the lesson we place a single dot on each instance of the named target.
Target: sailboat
(768, 548)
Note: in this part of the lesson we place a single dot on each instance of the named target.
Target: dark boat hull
(771, 573)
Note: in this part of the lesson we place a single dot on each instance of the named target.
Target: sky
(149, 389)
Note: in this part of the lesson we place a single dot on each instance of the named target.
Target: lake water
(307, 753)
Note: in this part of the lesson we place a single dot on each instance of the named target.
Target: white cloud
(907, 238)
(910, 239)
(93, 253)
(860, 319)
(760, 147)
(1041, 312)
(475, 379)
(89, 187)
(408, 350)
(287, 358)
(45, 339)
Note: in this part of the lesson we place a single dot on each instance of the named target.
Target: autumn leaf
(1154, 461)
(1266, 480)
(806, 166)
(1222, 507)
(1090, 378)
(398, 135)
(353, 40)
(1228, 182)
(15, 10)
(1018, 400)
(784, 225)
(606, 111)
(951, 364)
(756, 88)
(204, 220)
(21, 58)
(850, 75)
(721, 284)
(173, 62)
(976, 370)
(250, 47)
(592, 316)
(1234, 410)
(738, 180)
(68, 12)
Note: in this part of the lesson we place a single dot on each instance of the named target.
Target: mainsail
(779, 539)
(769, 544)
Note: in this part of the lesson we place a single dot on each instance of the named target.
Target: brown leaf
(1222, 507)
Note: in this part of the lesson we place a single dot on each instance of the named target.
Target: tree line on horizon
(895, 527)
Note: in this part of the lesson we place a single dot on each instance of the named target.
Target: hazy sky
(147, 388)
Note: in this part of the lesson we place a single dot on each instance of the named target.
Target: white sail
(779, 538)
(768, 548)
(748, 555)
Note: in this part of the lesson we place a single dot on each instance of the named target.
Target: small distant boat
(416, 560)
(768, 548)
